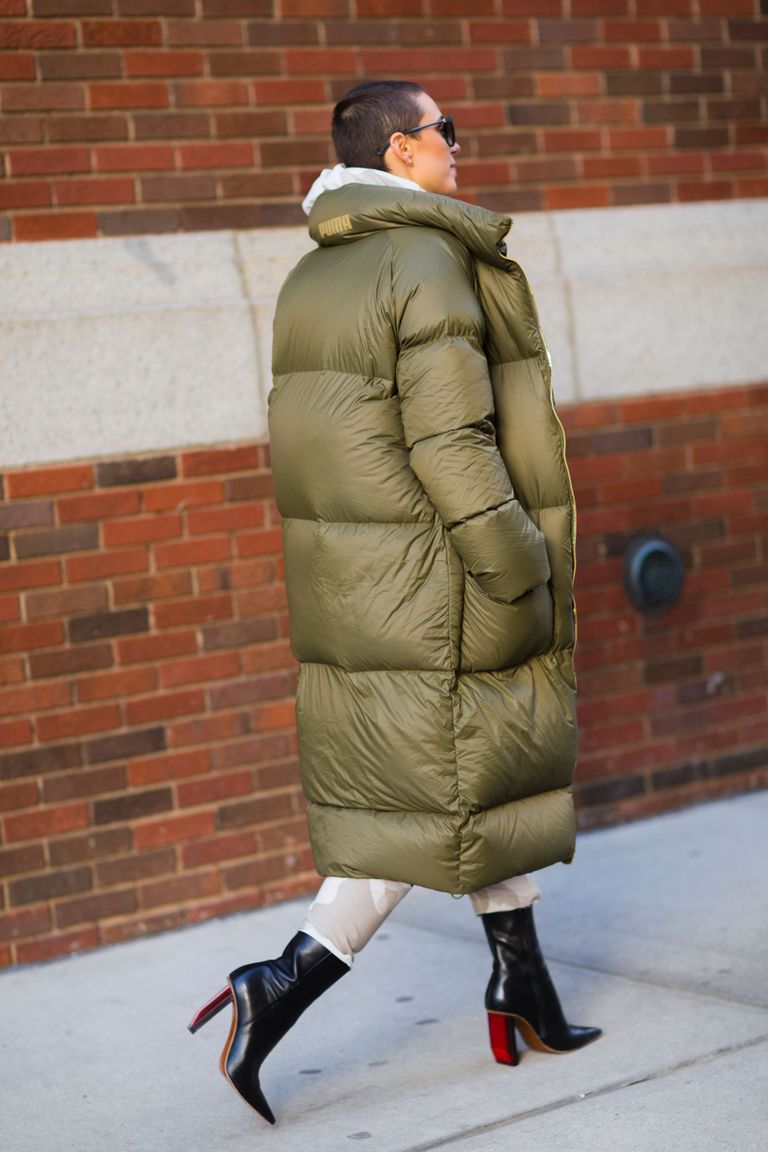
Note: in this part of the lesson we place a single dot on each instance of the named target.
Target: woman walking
(428, 530)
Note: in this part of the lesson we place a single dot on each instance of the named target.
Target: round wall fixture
(653, 573)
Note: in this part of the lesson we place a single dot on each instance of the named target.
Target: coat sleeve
(448, 415)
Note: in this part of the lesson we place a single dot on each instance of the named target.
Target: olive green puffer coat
(428, 534)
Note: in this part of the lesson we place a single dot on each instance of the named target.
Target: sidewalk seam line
(605, 971)
(607, 1089)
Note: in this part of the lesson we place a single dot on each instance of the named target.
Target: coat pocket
(496, 635)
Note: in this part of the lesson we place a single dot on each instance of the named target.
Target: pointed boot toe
(240, 1071)
(521, 995)
(245, 1081)
(267, 1000)
(581, 1035)
(568, 1038)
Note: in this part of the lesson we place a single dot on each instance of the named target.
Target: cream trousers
(346, 913)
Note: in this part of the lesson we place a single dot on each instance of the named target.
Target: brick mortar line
(308, 879)
(129, 853)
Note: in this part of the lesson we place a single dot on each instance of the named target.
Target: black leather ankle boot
(268, 998)
(521, 993)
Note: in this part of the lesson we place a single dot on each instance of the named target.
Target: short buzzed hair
(366, 117)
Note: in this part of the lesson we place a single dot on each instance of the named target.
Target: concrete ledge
(127, 345)
(121, 346)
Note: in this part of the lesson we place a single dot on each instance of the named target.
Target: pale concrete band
(624, 295)
(346, 913)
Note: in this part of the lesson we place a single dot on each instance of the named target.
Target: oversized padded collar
(356, 210)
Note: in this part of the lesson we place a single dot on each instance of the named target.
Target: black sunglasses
(444, 126)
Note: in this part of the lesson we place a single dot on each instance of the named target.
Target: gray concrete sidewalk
(657, 932)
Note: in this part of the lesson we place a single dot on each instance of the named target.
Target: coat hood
(337, 177)
(355, 210)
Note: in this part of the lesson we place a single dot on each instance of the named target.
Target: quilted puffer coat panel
(428, 534)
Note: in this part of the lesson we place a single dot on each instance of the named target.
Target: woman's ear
(399, 153)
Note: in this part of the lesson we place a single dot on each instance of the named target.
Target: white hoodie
(332, 178)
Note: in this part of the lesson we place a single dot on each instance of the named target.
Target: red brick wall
(672, 707)
(148, 775)
(122, 116)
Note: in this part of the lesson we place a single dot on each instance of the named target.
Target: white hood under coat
(333, 178)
